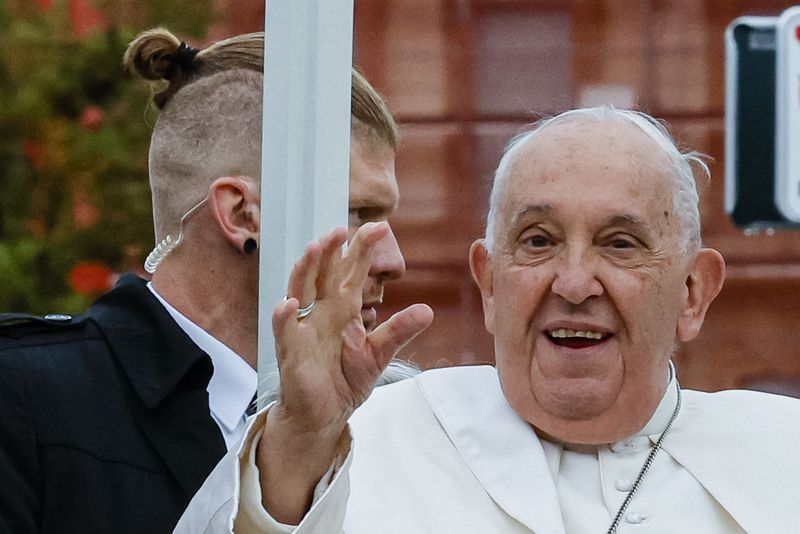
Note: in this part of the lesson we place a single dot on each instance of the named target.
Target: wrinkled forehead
(578, 158)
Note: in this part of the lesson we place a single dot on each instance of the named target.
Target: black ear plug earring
(250, 246)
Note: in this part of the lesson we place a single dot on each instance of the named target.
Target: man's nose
(576, 278)
(387, 261)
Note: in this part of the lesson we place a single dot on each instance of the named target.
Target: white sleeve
(230, 499)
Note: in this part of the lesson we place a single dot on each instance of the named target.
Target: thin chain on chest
(646, 467)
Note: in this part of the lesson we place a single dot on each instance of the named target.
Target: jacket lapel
(500, 448)
(184, 434)
(169, 373)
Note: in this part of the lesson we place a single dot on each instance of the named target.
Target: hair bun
(158, 55)
(150, 54)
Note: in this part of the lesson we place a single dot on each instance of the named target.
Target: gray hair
(685, 199)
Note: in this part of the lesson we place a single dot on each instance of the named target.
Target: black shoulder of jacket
(20, 329)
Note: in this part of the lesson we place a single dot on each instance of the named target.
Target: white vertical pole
(306, 145)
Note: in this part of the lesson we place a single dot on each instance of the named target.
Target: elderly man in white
(591, 272)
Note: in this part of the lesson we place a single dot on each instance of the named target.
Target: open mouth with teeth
(576, 339)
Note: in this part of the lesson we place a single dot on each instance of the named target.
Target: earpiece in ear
(250, 246)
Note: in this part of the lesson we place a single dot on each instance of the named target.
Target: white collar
(500, 448)
(660, 419)
(233, 383)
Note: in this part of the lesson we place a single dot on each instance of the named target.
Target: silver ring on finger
(305, 312)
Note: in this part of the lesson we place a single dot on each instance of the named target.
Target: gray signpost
(306, 145)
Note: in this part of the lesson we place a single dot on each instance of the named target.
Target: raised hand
(329, 365)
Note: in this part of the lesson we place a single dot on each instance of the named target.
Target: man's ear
(234, 203)
(480, 263)
(703, 285)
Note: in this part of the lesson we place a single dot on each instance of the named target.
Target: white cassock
(445, 453)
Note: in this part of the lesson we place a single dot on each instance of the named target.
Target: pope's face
(587, 281)
(374, 197)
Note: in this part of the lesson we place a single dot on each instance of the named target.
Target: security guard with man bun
(109, 422)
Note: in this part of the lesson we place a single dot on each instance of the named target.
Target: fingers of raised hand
(325, 278)
(313, 267)
(303, 280)
(358, 259)
(330, 260)
(398, 331)
(284, 320)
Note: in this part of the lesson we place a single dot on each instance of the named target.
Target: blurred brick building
(463, 76)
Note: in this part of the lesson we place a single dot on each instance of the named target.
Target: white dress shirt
(233, 383)
(592, 484)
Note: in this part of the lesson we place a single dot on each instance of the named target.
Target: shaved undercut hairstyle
(210, 120)
(210, 126)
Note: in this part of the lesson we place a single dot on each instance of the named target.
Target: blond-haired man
(112, 420)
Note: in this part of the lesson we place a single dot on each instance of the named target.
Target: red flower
(85, 17)
(90, 277)
(92, 118)
(84, 214)
(35, 152)
(44, 5)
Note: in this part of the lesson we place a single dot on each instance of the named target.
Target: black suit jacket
(104, 419)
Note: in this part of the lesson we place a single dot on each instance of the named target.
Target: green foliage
(74, 135)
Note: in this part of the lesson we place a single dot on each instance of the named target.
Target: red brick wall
(463, 76)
